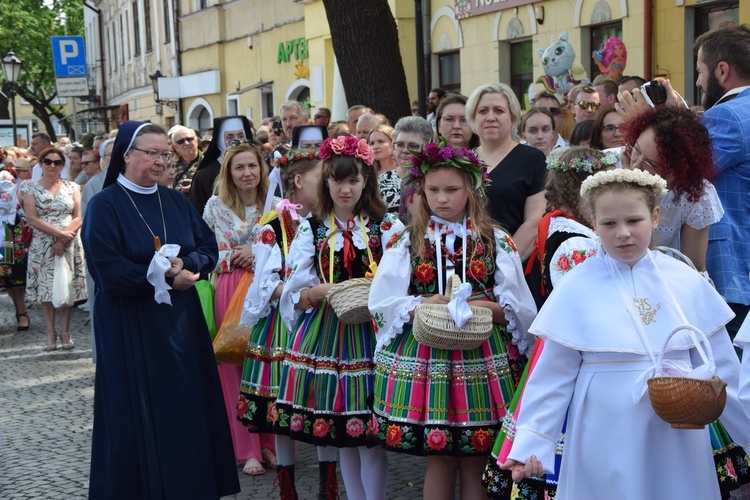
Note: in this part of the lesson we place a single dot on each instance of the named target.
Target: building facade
(249, 56)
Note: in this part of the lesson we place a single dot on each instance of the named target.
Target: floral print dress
(430, 401)
(56, 210)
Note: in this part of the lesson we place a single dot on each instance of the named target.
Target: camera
(654, 93)
(277, 128)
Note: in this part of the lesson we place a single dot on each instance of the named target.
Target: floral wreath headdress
(589, 165)
(295, 156)
(625, 175)
(442, 155)
(347, 145)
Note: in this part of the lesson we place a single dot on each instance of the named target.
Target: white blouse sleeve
(390, 302)
(512, 292)
(389, 227)
(705, 211)
(569, 254)
(8, 200)
(546, 397)
(267, 266)
(301, 263)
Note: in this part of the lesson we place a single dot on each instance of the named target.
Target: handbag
(231, 340)
(62, 283)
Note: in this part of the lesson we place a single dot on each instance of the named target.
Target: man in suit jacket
(724, 77)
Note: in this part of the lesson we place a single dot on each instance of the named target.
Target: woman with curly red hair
(671, 142)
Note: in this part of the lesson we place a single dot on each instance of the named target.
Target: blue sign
(69, 56)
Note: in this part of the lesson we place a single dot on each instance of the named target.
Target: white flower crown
(589, 165)
(624, 175)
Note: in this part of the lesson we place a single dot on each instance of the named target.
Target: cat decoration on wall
(561, 73)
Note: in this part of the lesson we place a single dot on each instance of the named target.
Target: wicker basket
(349, 300)
(434, 326)
(688, 403)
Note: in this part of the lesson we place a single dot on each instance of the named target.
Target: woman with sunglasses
(608, 130)
(53, 209)
(672, 142)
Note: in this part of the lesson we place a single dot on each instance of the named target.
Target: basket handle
(706, 353)
(453, 283)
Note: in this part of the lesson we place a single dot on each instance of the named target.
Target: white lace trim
(397, 325)
(357, 238)
(565, 225)
(253, 314)
(518, 337)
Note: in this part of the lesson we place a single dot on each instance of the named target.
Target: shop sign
(469, 8)
(296, 48)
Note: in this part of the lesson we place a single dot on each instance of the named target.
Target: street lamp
(12, 68)
(155, 84)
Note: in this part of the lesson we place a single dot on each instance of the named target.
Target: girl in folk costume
(232, 214)
(599, 353)
(564, 241)
(327, 373)
(300, 177)
(447, 404)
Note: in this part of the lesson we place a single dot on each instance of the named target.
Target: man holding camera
(724, 77)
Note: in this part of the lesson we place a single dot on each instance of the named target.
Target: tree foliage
(25, 27)
(365, 41)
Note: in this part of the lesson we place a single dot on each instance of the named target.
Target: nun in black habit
(228, 131)
(160, 428)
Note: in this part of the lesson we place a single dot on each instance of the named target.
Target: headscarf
(123, 143)
(308, 133)
(217, 147)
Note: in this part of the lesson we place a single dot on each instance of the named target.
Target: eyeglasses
(107, 154)
(84, 163)
(637, 156)
(415, 110)
(155, 155)
(233, 143)
(412, 146)
(48, 162)
(589, 104)
(552, 111)
(450, 120)
(610, 129)
(318, 117)
(184, 140)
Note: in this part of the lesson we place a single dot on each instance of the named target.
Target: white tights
(365, 472)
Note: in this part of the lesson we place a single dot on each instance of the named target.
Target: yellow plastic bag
(231, 341)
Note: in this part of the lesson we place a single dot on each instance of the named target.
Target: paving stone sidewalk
(46, 419)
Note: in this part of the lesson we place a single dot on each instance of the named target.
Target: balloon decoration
(612, 58)
(561, 73)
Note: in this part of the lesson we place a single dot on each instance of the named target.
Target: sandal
(51, 343)
(269, 457)
(21, 328)
(66, 341)
(253, 468)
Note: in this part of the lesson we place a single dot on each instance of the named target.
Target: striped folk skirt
(432, 401)
(326, 381)
(261, 373)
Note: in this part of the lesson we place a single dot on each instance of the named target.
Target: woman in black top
(516, 195)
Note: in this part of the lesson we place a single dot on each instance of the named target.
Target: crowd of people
(574, 223)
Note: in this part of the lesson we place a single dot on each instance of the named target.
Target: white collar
(132, 186)
(731, 93)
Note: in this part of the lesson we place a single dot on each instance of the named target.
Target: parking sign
(69, 56)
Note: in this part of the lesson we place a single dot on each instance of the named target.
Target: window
(204, 121)
(147, 16)
(167, 25)
(521, 70)
(706, 19)
(122, 42)
(450, 70)
(233, 106)
(599, 36)
(266, 102)
(136, 30)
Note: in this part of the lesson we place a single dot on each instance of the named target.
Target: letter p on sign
(68, 50)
